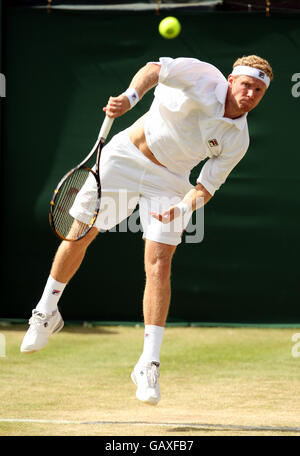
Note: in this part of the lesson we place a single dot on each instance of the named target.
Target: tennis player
(196, 114)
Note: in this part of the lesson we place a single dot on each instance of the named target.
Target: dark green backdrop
(60, 69)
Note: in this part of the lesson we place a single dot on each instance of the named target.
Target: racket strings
(64, 223)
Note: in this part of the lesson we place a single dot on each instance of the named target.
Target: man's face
(246, 92)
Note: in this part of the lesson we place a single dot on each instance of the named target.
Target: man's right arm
(193, 200)
(144, 80)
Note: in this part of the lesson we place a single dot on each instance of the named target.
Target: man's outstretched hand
(167, 216)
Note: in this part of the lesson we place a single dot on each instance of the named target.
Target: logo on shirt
(213, 142)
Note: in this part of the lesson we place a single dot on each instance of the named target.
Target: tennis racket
(64, 225)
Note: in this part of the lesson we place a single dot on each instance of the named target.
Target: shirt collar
(221, 92)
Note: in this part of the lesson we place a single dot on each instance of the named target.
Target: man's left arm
(193, 200)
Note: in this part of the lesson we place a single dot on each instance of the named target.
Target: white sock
(51, 295)
(153, 338)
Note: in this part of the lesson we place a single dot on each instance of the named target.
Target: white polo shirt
(185, 123)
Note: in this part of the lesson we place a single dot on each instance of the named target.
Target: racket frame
(104, 131)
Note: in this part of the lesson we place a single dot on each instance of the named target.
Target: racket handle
(105, 128)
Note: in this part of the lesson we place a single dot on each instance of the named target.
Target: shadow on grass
(68, 327)
(230, 428)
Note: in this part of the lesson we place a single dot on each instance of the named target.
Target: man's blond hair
(255, 62)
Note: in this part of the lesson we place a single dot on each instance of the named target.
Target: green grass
(216, 376)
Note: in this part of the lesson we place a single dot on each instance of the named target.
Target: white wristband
(132, 96)
(183, 207)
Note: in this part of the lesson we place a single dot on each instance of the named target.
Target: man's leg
(46, 319)
(66, 262)
(157, 294)
(69, 257)
(156, 303)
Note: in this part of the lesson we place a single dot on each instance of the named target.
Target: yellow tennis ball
(169, 27)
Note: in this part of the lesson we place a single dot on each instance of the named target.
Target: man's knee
(158, 259)
(82, 243)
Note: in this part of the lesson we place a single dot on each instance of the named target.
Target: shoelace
(38, 319)
(152, 375)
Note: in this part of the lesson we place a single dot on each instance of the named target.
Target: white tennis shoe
(40, 329)
(145, 377)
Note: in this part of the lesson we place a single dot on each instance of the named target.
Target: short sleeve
(185, 72)
(216, 169)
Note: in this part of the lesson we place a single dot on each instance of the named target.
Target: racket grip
(105, 128)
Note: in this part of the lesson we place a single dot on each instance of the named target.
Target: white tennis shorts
(129, 178)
